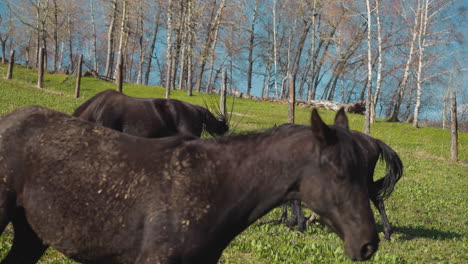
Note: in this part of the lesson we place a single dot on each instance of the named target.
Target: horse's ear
(319, 128)
(341, 120)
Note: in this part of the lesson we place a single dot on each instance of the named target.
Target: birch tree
(401, 89)
(94, 44)
(380, 63)
(119, 67)
(110, 39)
(169, 50)
(370, 104)
(429, 9)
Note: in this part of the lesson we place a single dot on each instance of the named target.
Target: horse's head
(338, 191)
(218, 126)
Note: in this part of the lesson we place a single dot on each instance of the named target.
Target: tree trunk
(402, 88)
(11, 63)
(185, 31)
(190, 36)
(55, 34)
(62, 51)
(141, 46)
(169, 51)
(152, 46)
(379, 65)
(118, 74)
(370, 105)
(222, 103)
(292, 97)
(275, 50)
(212, 58)
(310, 91)
(454, 127)
(251, 47)
(40, 69)
(70, 42)
(110, 40)
(209, 38)
(421, 44)
(93, 21)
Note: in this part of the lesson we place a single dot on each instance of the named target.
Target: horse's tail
(394, 170)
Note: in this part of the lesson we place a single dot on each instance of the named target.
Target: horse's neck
(260, 178)
(208, 118)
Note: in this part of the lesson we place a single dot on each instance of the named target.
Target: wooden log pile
(356, 108)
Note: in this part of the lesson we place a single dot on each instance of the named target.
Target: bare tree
(110, 39)
(5, 35)
(370, 104)
(400, 91)
(428, 39)
(119, 68)
(380, 63)
(153, 45)
(94, 45)
(208, 45)
(251, 47)
(169, 50)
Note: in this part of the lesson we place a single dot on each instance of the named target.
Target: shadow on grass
(407, 233)
(410, 233)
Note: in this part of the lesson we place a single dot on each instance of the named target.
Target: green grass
(428, 208)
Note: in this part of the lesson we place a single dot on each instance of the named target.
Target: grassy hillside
(429, 208)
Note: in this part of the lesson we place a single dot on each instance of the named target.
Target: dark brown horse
(100, 196)
(149, 117)
(378, 190)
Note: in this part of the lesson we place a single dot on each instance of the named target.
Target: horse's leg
(5, 210)
(284, 215)
(379, 204)
(27, 247)
(293, 220)
(298, 214)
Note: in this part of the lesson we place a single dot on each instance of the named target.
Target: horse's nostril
(367, 251)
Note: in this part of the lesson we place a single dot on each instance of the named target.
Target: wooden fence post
(222, 103)
(40, 69)
(292, 98)
(11, 63)
(78, 77)
(454, 127)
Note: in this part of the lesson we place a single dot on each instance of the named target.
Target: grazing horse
(149, 117)
(378, 190)
(100, 196)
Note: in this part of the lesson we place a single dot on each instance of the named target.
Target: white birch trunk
(169, 51)
(93, 21)
(370, 105)
(379, 63)
(119, 67)
(404, 81)
(421, 44)
(275, 50)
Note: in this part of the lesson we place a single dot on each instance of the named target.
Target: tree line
(397, 55)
